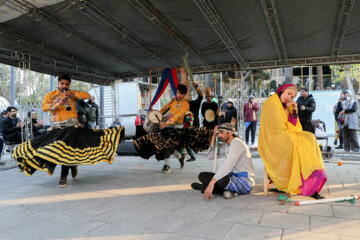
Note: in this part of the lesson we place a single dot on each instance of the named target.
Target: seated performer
(66, 142)
(176, 108)
(292, 157)
(236, 174)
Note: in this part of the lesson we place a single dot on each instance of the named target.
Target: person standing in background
(306, 106)
(250, 114)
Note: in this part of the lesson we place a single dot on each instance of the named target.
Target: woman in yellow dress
(292, 157)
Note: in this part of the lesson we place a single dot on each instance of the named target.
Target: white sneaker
(229, 194)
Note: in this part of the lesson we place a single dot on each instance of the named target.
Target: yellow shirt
(58, 112)
(177, 110)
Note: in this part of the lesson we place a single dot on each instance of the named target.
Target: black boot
(63, 178)
(198, 186)
(63, 182)
(317, 196)
(182, 161)
(74, 171)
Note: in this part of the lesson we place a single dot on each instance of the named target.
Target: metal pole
(310, 68)
(52, 84)
(12, 88)
(221, 84)
(102, 117)
(150, 80)
(216, 155)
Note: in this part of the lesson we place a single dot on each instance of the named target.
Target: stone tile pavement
(132, 199)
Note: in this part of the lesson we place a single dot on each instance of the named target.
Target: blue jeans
(92, 125)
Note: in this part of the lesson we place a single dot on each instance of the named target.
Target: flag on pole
(169, 75)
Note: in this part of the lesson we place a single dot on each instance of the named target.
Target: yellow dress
(287, 152)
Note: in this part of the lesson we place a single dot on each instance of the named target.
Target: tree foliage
(339, 75)
(30, 86)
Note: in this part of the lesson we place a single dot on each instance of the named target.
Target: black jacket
(9, 128)
(230, 113)
(310, 107)
(94, 113)
(338, 109)
(83, 111)
(1, 124)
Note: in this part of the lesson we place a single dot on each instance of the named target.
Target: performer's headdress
(228, 127)
(285, 86)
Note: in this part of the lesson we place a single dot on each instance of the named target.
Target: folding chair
(11, 145)
(316, 124)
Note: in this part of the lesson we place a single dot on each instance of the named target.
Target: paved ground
(132, 199)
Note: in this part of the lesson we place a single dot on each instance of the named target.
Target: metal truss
(40, 15)
(89, 9)
(213, 17)
(26, 60)
(325, 60)
(275, 29)
(341, 25)
(29, 41)
(154, 15)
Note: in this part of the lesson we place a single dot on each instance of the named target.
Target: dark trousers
(306, 125)
(16, 138)
(350, 139)
(1, 145)
(65, 170)
(220, 185)
(252, 128)
(341, 136)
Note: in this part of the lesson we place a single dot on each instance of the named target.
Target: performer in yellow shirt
(67, 143)
(176, 110)
(173, 135)
(58, 100)
(292, 157)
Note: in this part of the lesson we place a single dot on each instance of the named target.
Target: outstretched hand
(208, 192)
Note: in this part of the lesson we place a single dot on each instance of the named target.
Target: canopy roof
(101, 41)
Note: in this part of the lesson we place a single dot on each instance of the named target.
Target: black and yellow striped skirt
(68, 146)
(164, 142)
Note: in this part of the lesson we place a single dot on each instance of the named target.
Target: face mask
(348, 98)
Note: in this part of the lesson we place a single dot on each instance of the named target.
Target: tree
(340, 76)
(262, 81)
(30, 86)
(5, 81)
(320, 78)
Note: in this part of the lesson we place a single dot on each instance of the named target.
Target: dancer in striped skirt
(67, 142)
